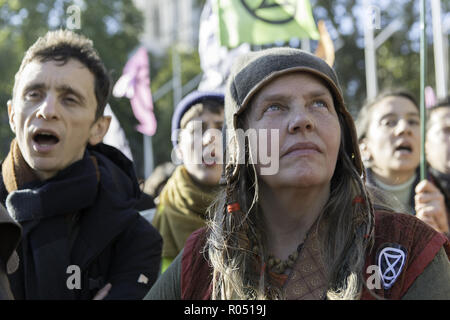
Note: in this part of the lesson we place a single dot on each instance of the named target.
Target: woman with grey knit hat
(308, 230)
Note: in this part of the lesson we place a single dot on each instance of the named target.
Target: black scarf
(45, 210)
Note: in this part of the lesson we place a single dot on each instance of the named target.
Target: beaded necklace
(279, 266)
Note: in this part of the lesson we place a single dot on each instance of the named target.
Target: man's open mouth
(45, 138)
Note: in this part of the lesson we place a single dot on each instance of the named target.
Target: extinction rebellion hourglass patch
(391, 259)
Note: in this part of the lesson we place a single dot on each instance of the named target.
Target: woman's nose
(300, 120)
(403, 127)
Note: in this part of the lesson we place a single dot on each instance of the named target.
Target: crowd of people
(346, 198)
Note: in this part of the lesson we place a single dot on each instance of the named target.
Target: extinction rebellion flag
(264, 21)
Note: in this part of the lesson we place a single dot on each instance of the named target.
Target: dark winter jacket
(9, 238)
(80, 232)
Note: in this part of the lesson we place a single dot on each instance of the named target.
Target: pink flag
(135, 85)
(430, 97)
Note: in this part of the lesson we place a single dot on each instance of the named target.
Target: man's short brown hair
(62, 45)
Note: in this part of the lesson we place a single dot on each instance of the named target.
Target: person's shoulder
(402, 226)
(198, 235)
(383, 215)
(405, 220)
(414, 236)
(10, 234)
(195, 242)
(144, 227)
(404, 246)
(115, 169)
(196, 273)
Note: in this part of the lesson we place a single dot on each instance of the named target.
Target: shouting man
(72, 195)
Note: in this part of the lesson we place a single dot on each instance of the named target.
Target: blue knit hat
(187, 102)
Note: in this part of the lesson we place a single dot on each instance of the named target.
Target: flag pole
(439, 60)
(423, 59)
(148, 155)
(369, 54)
(176, 63)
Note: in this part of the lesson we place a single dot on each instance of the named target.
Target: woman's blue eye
(320, 104)
(68, 100)
(273, 107)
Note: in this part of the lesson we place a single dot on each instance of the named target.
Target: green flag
(264, 21)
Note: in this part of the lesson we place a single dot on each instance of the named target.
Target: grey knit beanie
(253, 70)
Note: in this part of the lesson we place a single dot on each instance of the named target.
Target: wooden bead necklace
(279, 266)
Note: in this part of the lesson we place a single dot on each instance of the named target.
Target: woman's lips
(301, 149)
(301, 152)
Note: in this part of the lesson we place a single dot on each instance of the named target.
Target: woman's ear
(366, 156)
(99, 130)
